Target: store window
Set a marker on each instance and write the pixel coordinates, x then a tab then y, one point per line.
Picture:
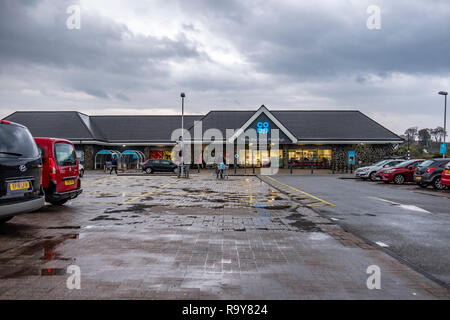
307	156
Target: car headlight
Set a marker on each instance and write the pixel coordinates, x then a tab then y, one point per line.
389	171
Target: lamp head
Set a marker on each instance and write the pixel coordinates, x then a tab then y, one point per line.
443	93
183	95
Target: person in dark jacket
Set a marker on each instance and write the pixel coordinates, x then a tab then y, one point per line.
113	165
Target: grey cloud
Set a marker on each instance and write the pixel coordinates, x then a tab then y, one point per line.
311	42
297	54
122	97
36	34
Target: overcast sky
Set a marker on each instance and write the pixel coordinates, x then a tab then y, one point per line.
135	57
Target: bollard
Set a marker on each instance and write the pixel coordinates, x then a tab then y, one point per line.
291	168
235	169
312	169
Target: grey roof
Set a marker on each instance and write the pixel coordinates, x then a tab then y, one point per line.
309	125
333	126
306	125
140	128
223	120
55	124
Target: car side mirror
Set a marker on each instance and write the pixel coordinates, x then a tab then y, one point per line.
385	166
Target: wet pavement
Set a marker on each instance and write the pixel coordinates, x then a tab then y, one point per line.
159	237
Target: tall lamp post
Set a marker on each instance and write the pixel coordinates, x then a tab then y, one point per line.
182	132
445	94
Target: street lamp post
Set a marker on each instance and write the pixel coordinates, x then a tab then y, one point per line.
445	94
182	132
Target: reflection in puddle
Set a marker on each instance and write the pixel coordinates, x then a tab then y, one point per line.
53	272
50	246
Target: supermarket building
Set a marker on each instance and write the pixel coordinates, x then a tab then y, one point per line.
306	137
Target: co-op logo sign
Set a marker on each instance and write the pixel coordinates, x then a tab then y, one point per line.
263	127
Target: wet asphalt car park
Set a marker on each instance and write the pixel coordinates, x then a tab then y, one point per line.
160	237
410	222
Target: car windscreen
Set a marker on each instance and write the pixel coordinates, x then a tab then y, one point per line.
65	154
379	163
16	141
426	163
404	163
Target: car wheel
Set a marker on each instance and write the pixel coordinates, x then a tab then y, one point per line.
59	202
81	173
437	184
149	170
4	220
399	179
373	176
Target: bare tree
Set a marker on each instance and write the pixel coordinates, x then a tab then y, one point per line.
411	134
438	134
424	137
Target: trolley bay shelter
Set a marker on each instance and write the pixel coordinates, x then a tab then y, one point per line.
319	138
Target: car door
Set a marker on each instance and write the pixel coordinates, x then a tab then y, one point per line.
165	165
67	166
411	169
156	165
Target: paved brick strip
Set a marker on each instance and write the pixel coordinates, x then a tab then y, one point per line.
149	193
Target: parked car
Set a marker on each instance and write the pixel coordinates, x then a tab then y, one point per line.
20	172
429	172
400	173
60	175
445	178
370	172
81	169
161	165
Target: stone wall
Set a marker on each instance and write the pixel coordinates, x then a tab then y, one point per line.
365	154
88	157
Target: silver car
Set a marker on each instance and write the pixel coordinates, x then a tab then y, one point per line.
369	172
81	169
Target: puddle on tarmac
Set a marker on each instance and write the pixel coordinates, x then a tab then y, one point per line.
53	272
138	207
104	217
302	224
48	246
275	207
64	227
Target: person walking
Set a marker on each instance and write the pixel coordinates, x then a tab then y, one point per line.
220	169
113	165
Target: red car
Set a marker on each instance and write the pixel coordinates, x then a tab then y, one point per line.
445	178
60	175
400	173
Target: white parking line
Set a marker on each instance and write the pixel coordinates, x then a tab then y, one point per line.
382	244
403	206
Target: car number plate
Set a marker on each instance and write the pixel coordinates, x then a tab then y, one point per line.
418	178
69	182
21	185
